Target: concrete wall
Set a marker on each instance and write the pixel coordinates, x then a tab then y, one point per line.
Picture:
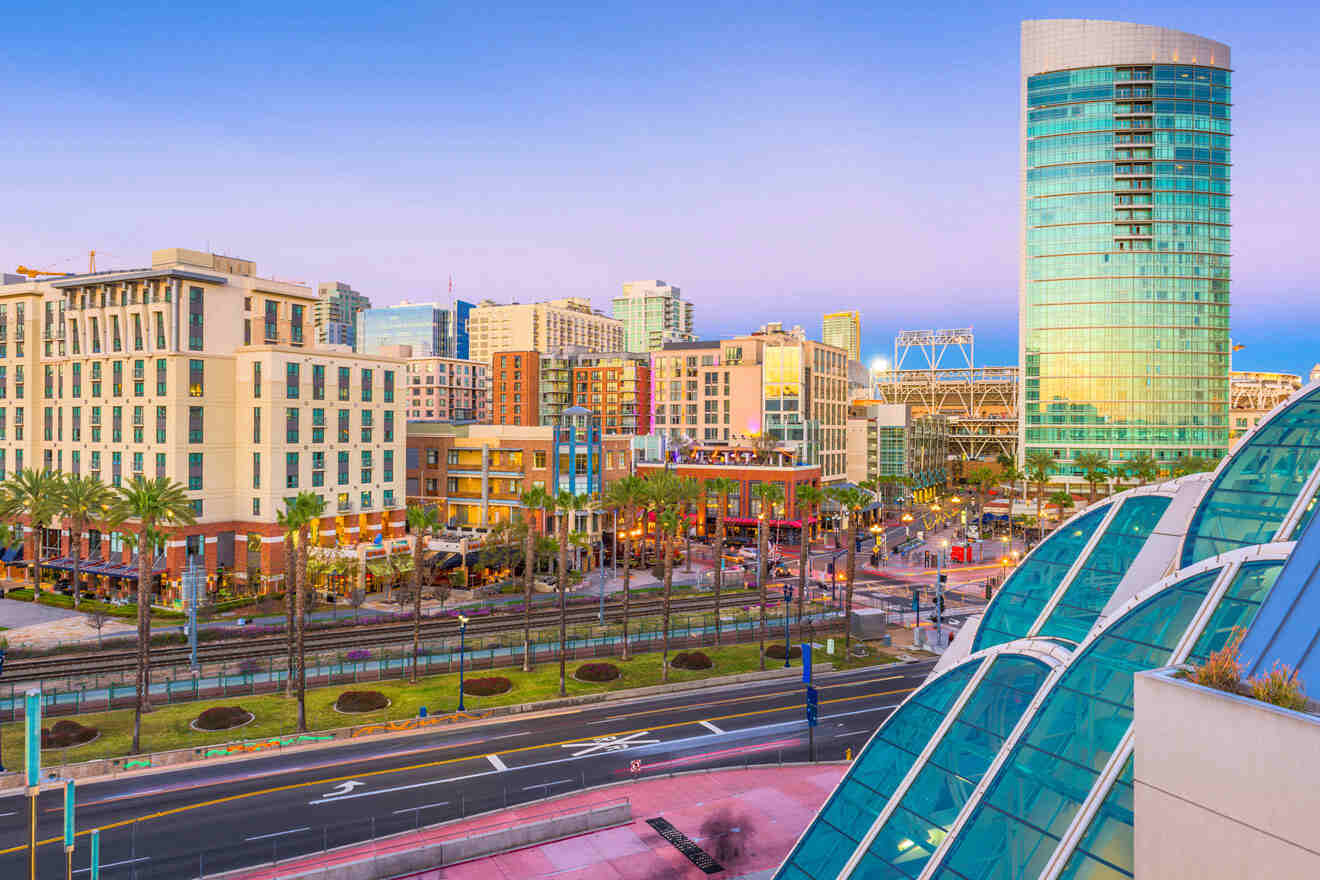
1225	786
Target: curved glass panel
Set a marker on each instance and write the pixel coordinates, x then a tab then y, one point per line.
1099	576
1033	799
1254	492
871	780
932	803
1307	516
1104	851
1238	608
1020	600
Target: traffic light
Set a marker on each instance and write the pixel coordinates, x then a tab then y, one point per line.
944	578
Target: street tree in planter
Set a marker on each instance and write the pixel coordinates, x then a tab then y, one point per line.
852	500
423	520
768	495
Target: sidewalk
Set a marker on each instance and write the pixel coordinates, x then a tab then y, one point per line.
746	819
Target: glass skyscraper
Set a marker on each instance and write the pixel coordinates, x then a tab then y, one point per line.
1124	284
431	330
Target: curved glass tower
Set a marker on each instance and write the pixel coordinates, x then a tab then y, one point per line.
1124	284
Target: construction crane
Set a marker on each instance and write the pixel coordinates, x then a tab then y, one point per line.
36	273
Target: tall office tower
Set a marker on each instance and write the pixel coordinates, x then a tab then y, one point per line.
335	314
843	330
653	313
430	329
541	327
1124	285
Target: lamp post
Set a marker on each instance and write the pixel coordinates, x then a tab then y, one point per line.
462	631
939	590
788	599
906	519
878	535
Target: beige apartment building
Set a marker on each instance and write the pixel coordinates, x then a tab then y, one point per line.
843	330
540	327
773	381
198	370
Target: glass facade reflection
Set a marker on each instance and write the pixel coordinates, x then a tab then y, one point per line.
1125	284
431	330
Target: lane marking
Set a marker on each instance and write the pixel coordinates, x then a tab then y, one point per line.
711	727
496	762
343	788
295	786
849	733
610	743
115	864
2	815
278	833
409	787
422	807
547	784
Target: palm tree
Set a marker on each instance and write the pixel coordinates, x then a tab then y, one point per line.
1191	464
852	500
1143	468
1095	470
628	494
422	522
768	494
689	493
723	487
533	500
982	478
1062	500
567	505
34	494
670	522
286	519
82	499
809	500
152	503
1040	464
308	508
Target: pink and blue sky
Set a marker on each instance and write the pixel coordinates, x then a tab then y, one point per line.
775	160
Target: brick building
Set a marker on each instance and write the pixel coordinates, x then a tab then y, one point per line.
515	388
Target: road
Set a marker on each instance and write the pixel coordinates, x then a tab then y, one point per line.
235	814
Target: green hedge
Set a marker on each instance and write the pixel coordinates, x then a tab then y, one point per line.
59	600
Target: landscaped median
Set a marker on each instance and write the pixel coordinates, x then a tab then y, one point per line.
274	716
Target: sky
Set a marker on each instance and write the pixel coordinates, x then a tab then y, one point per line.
774	160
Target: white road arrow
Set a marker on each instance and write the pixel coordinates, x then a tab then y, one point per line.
343	788
609	744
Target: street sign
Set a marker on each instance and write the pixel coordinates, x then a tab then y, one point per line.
806	662
68	814
32	742
812	706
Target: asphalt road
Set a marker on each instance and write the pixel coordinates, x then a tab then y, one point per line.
235	814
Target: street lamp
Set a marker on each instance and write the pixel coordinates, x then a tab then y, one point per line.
462	630
788	598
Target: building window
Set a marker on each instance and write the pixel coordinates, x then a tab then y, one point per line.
389	426
318	381
387	499
116	424
256	470
366	386
196	378
272	321
162	373
137	464
318	426
291	425
256	379
343	425
194	424
195	325
196	505
318	469
366	501
117	379
345	377
194	471
538	459
389	386
292	380
160	331
160	465
256	424
296	324
291	470
256	502
387	465
343	468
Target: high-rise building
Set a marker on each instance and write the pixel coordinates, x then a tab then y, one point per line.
443	389
843	330
335	314
772	382
430	329
616	386
197	370
653	313
516	388
541	327
1124	283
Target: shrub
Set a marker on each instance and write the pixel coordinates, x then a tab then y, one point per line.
222	718
1281	687
776	651
1221	669
361	701
597	672
691	660
63	734
487	687
358	654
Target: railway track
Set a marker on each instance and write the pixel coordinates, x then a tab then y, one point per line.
345	637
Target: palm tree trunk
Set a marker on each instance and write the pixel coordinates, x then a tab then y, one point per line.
563	604
762	574
290	605
627	579
687	546
804	562
719	562
417	605
669	586
142	682
848	592
529	566
75	542
300	625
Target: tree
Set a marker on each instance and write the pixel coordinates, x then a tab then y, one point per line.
286	519
723	487
581	543
1040	464
423	520
567	504
1095	470
1143	468
153	504
768	494
308	507
1191	464
357	597
764	443
981	478
852	500
689	493
535	500
809	499
81	499
36	495
669	522
1063	501
628	495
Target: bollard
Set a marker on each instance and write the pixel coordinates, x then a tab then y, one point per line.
847	755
